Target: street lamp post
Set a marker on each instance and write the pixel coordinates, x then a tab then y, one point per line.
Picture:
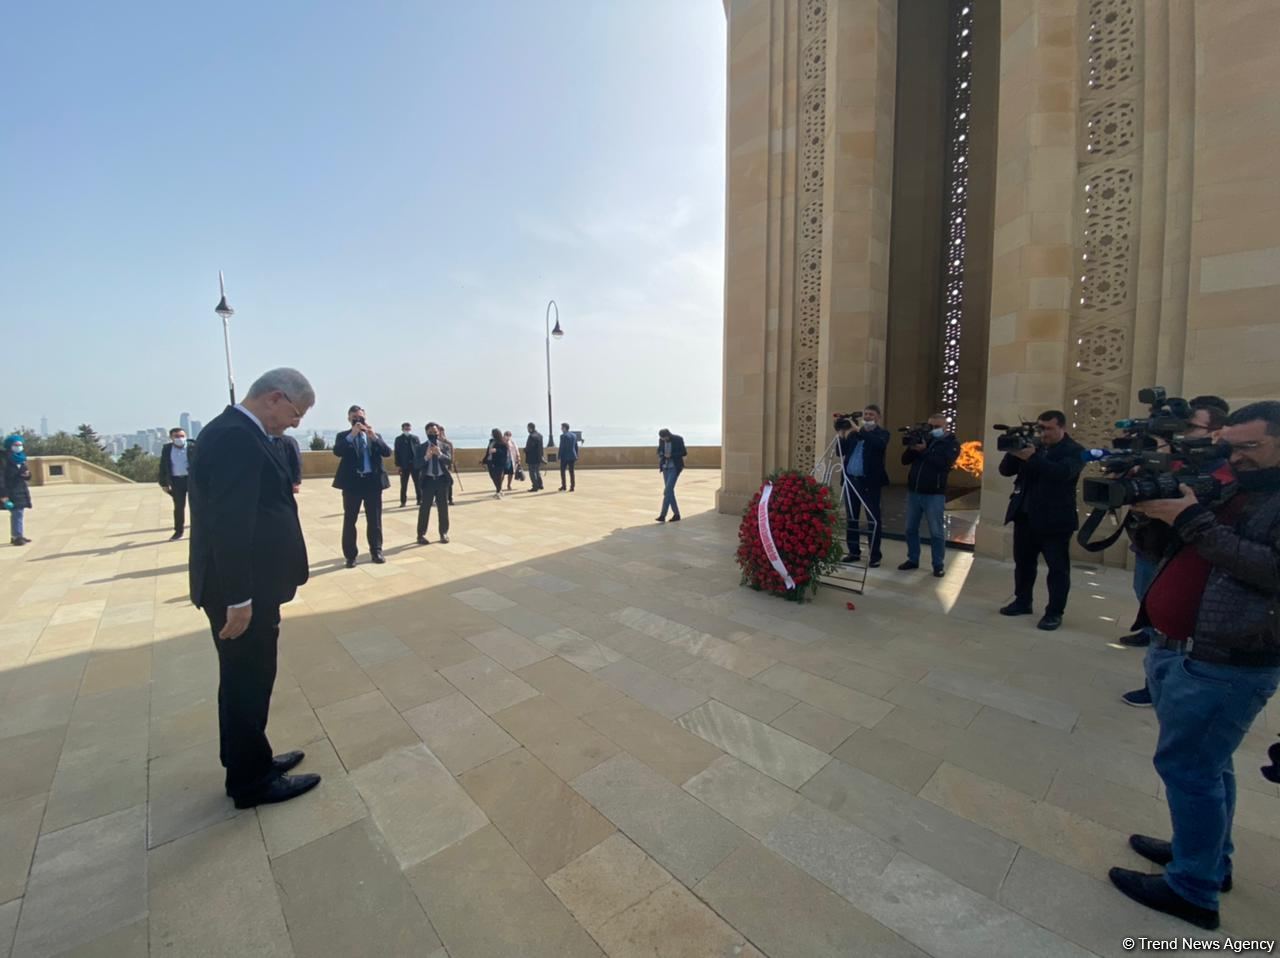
557	333
224	310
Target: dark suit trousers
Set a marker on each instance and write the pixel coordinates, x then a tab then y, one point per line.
1028	546
535	476
246	674
407	475
567	466
434	491
853	509
368	493
178	489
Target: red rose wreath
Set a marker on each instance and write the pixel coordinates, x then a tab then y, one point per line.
799	534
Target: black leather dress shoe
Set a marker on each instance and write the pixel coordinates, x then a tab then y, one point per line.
675	518
287	762
1013	608
908	566
1049	622
423	541
278	790
379	558
1161	852
1154	892
351	563
660	519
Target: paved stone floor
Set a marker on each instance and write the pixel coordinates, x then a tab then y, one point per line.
570	732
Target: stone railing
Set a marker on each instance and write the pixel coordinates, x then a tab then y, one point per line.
55	470
323	463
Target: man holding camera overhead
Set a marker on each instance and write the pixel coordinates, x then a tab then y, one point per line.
1214	663
1044	514
361	477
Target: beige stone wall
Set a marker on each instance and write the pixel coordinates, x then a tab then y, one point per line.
55	470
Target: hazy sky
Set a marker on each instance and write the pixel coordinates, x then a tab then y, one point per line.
394	190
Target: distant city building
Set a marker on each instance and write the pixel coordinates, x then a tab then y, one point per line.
185	422
44	425
196	426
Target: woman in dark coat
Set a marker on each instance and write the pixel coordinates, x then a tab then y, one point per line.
496	458
15	494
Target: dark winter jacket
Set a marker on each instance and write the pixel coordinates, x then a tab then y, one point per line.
14	477
929	469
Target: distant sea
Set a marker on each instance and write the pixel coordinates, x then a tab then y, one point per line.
478	436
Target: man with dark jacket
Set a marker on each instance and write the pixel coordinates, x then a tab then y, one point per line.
1044	515
435	456
534	457
1215	663
568	454
175	467
361	477
406	455
671	454
293	459
247	559
862	450
930	462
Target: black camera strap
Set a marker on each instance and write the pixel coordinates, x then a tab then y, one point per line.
1091	526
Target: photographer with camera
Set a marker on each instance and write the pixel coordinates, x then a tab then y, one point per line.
1208	415
1215	664
862	450
1043	511
361	477
931	455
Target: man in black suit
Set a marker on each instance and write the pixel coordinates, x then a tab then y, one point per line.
293	458
406	457
862	451
435	456
175	468
671	453
1044	515
361	477
534	456
247	559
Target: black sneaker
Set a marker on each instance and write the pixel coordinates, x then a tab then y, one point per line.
1136	640
908	566
1154	892
939	572
1049	622
1014	608
1161	852
1138	698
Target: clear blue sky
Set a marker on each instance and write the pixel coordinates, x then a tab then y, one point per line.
394	190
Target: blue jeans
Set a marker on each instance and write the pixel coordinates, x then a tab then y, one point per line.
15	523
1204	711
929	505
1144	573
669	477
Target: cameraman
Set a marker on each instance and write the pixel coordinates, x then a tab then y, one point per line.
1044	516
862	452
930	462
1215	664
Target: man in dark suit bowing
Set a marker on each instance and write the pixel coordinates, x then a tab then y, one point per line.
361	477
248	558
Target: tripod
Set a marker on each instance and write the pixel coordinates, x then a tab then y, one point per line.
851	576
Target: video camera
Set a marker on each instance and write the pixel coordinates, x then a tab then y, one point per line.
1138	470
1024	435
915	435
854	418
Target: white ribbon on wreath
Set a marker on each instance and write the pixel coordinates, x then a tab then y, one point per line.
766	536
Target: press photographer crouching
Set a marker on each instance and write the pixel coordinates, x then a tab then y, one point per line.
1214	665
1045	463
932	449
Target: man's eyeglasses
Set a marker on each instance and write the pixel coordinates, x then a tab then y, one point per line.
291	405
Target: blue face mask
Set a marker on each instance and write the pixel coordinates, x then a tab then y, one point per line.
16	453
937	433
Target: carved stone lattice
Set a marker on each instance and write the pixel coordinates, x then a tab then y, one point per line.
1102	350
806	432
807	374
810	296
814	110
815	59
1110	129
1111	45
1094	413
811	221
815	18
1107	259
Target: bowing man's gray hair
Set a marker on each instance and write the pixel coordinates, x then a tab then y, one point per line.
288	381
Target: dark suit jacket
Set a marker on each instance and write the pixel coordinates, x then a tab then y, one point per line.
874	443
445	459
293	456
1047	484
678	451
533	447
246	542
406	450
166	461
348	475
568	447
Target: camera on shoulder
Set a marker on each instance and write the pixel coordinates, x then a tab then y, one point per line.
1015	438
915	435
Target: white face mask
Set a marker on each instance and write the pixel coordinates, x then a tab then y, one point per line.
180	443
406	431
937	433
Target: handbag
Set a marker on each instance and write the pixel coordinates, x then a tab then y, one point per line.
519	474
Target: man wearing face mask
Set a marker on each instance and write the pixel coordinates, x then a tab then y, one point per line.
174	469
435	456
1214	664
15	493
406	457
361	477
862	449
930	463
